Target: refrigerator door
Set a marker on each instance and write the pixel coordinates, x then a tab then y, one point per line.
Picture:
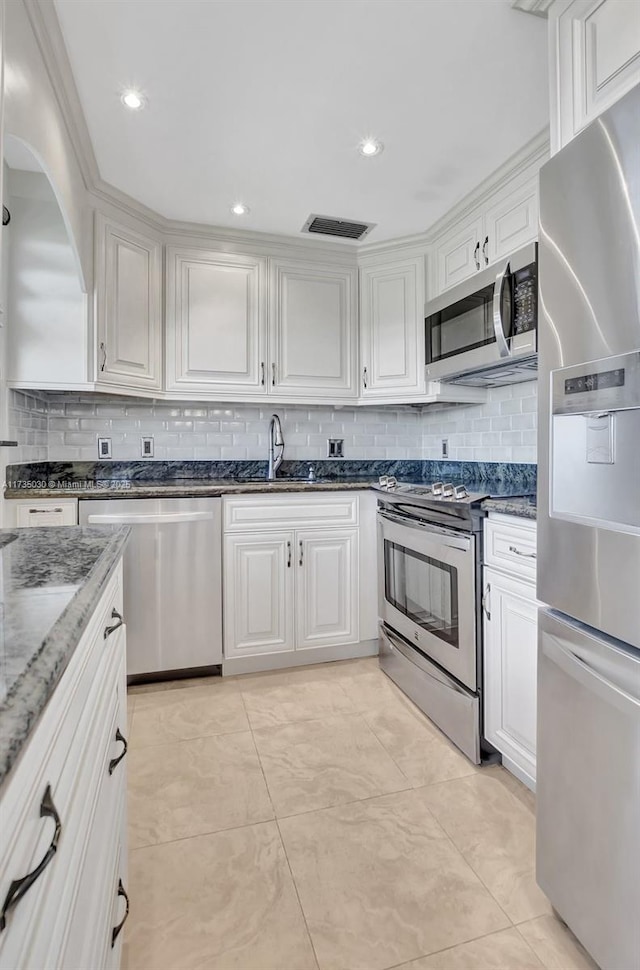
172	580
588	788
589	300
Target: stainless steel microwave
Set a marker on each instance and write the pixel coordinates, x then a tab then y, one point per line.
484	331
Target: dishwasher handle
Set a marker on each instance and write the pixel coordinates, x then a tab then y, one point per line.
158	518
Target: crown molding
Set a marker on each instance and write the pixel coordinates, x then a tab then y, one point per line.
539	8
534	153
46	28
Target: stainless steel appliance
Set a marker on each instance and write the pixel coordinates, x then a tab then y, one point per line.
588	752
429	540
483	331
172	580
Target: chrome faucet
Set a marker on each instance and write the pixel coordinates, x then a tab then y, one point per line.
276	440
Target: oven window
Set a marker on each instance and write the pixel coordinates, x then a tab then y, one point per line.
424	589
465	325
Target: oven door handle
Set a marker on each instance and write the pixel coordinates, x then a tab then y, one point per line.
462	543
498	322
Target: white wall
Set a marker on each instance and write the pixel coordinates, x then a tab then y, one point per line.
503	429
32	114
45	302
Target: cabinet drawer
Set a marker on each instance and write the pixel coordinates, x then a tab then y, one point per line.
59	755
43	512
302	511
510	545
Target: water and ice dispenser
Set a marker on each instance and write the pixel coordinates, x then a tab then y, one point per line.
595	443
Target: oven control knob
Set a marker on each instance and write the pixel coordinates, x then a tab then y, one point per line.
436	488
447	490
460	492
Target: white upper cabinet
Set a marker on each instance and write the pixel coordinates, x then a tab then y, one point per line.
129	306
313	329
506	221
392	328
457	254
595	59
510	222
216	322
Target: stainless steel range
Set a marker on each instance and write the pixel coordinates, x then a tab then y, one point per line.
429	548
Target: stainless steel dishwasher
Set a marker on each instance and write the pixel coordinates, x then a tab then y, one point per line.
172	580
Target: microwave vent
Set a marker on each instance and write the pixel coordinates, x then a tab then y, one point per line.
340	228
499	375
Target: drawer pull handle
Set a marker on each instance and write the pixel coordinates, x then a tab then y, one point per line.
113	764
115	933
43	511
108	630
288	554
19	887
525	555
301	560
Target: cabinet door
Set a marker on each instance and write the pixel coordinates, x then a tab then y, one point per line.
327	609
392	328
510	666
215	322
458	254
597	59
313	329
258	594
511	221
128	303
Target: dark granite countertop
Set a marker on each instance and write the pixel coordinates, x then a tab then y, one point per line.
186	488
523	507
51	580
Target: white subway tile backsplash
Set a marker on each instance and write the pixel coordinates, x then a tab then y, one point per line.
66	427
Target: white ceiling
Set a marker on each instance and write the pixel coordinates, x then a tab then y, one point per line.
265	101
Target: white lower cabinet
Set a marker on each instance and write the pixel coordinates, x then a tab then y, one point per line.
258	593
287	593
41	512
510	665
327	588
63	814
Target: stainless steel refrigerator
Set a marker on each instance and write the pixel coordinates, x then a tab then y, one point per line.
588	753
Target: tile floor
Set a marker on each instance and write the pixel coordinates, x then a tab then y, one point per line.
314	819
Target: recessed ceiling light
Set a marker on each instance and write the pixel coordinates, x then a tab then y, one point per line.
240	209
133	100
370	147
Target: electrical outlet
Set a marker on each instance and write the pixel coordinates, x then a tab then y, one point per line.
146	447
104	447
445	448
335	447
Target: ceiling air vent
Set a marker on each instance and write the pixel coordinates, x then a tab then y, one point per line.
340	228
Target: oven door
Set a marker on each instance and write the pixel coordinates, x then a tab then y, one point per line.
427	591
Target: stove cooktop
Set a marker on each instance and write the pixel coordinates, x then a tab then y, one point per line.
428	494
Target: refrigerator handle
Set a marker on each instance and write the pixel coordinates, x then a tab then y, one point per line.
501	326
588	677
